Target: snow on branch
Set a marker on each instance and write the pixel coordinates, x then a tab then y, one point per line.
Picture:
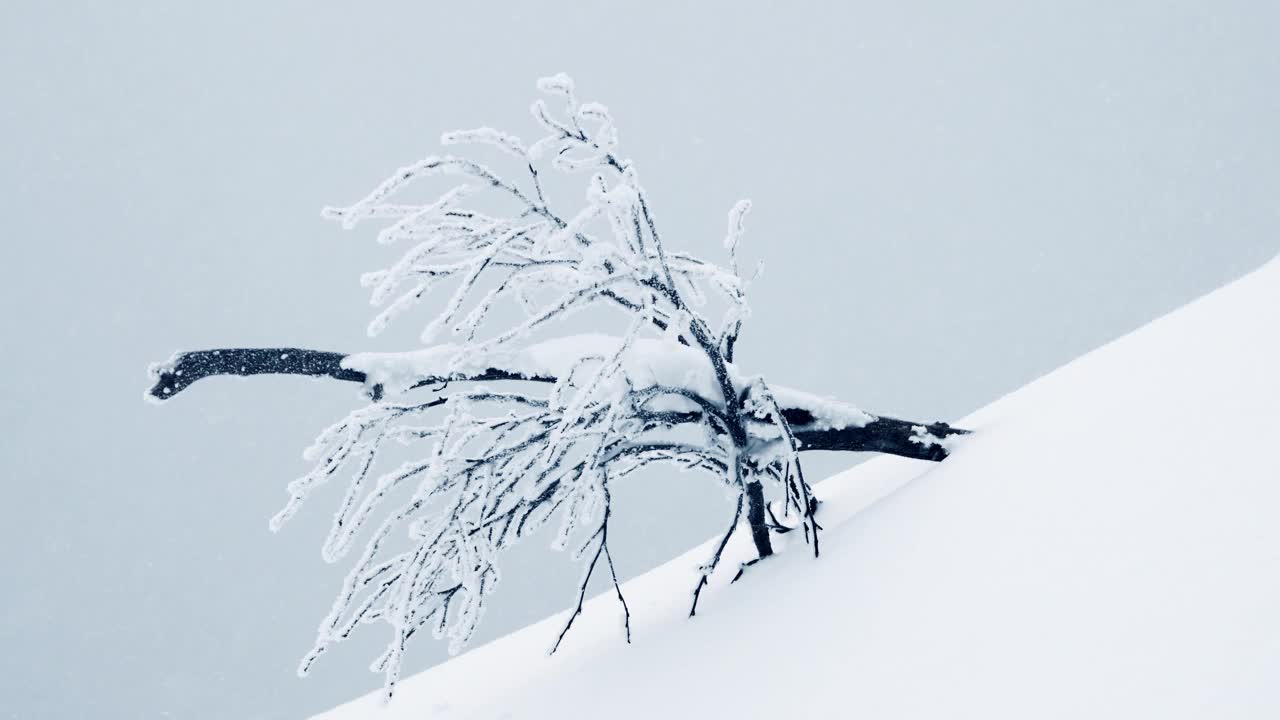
494	467
571	414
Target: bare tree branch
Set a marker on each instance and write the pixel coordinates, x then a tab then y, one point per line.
494	466
882	435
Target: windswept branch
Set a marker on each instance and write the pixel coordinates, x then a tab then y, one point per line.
922	441
494	465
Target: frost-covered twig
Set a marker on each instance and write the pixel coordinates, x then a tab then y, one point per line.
605	407
601	540
483	467
709	568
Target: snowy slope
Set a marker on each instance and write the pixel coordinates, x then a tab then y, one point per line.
1106	545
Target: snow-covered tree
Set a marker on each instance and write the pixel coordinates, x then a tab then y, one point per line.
516	424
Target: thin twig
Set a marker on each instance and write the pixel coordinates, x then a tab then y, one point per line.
710	567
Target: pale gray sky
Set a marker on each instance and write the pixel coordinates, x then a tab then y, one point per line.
950	201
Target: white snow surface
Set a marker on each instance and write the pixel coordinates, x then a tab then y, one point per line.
1107	545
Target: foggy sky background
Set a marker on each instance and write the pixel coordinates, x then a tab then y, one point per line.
950	201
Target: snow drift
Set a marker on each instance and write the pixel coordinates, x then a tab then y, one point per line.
1106	545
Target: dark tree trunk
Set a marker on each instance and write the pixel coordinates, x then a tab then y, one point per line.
756	519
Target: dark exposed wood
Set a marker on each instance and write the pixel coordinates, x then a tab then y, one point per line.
185	368
756	520
884	435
